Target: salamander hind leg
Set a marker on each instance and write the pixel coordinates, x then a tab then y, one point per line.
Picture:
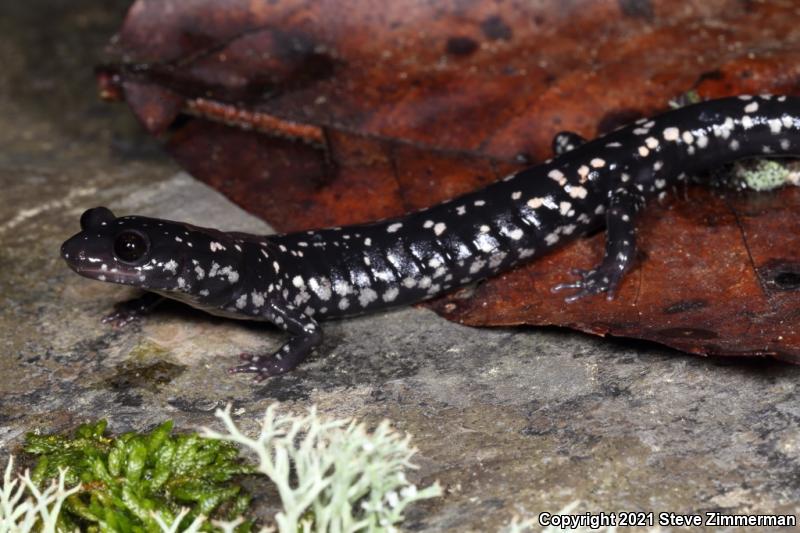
305	335
619	252
566	141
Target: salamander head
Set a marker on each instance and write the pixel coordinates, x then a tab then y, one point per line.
186	262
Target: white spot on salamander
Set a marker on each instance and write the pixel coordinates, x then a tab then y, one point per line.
321	287
535	203
172	266
257	298
671	134
342	288
216	246
298	281
752	107
526	252
515	234
597	162
366	296
392	228
557	175
576	191
476	266
233	276
390	295
439	228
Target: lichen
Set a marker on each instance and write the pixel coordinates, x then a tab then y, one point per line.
25	508
764	174
332	475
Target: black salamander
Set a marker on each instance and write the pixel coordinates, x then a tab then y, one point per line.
296	279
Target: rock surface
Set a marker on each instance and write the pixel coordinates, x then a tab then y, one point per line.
510	421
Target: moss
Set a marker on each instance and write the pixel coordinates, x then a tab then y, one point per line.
126	479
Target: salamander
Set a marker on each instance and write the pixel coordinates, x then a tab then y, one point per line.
294	280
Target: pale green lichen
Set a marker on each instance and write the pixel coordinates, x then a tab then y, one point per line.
224	526
331	475
174	526
765	174
25	508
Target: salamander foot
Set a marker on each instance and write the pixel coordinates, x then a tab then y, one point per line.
131	310
603	279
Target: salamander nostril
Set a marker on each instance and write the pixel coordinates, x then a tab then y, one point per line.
68	249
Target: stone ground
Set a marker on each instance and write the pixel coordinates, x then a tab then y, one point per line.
510	421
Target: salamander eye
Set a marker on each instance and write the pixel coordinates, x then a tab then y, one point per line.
130	246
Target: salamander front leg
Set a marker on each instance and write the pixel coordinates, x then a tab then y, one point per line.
305	335
566	141
619	253
126	312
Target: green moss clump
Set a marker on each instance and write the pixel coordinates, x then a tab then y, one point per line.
125	479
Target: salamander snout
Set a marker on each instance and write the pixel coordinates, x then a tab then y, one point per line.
93	252
93	224
67	249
